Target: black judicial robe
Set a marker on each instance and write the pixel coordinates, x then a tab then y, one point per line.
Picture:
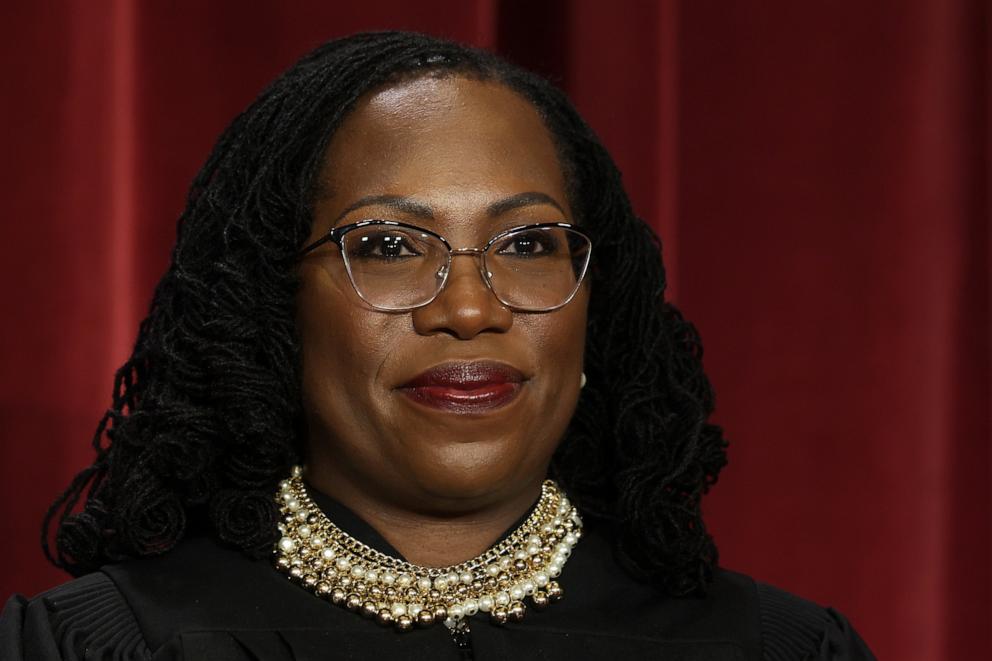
205	602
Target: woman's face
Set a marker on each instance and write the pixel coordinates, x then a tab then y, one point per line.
445	152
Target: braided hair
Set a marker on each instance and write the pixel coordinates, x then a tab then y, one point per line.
206	415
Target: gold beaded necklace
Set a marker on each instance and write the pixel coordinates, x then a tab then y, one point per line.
335	566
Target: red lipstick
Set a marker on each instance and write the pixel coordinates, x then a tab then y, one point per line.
465	387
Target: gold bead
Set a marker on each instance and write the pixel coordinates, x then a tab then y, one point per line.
499	615
425	618
385	618
519	565
353	602
369	609
404	623
440	612
323	589
516	611
554	591
540	600
338	596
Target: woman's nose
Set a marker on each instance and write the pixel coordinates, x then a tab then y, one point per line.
466	306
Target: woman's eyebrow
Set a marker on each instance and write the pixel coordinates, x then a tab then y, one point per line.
424	211
398	202
521	200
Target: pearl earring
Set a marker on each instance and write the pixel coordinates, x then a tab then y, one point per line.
582	381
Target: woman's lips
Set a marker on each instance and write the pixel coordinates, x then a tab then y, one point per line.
465	387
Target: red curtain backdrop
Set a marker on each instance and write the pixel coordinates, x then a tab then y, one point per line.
819	172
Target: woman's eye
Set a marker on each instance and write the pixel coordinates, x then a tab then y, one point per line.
384	246
529	244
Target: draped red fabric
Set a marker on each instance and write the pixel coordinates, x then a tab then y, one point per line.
820	175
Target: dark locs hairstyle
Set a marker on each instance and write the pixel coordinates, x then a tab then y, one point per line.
207	416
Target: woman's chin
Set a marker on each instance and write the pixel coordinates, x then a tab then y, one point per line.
465	480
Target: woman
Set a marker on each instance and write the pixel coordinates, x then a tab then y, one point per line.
407	290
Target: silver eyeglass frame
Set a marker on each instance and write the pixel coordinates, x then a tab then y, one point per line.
336	236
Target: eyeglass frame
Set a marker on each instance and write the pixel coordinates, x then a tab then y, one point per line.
336	236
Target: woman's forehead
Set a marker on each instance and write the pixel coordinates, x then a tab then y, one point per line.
456	145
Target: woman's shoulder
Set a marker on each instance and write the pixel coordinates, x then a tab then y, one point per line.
127	610
85	618
791	627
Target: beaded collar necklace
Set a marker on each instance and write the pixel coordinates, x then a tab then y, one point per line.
335	566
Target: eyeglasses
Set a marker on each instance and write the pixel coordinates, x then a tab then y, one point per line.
396	267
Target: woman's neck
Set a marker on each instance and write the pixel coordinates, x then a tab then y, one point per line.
431	537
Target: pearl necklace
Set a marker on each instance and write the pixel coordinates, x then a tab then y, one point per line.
335	566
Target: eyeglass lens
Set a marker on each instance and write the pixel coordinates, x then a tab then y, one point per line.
397	268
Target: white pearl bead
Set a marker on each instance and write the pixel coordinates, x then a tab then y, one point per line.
534	540
441	583
517	593
372	576
493	570
316	541
466	577
505	562
456	612
424	584
570	539
486	604
358	571
328	554
414	609
554	570
502	599
342	564
293	504
304	531
388	578
540	579
398	609
404	580
520	555
528	587
533	549
287	544
471	607
302	515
